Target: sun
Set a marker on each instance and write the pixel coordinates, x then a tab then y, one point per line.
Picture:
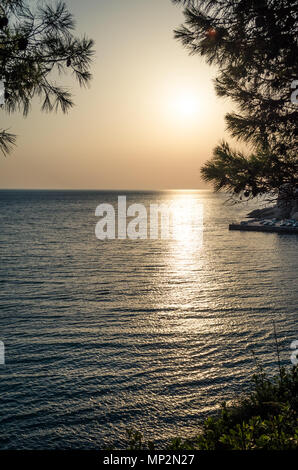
185	105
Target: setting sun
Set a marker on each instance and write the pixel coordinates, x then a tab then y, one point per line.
186	105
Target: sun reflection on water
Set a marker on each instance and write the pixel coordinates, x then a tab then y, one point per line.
183	255
187	229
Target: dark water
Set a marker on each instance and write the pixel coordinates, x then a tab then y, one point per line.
105	335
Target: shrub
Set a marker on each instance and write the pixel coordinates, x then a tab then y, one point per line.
265	419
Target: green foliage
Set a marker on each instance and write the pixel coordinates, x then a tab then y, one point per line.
260	173
275	433
136	441
253	44
36	45
266	419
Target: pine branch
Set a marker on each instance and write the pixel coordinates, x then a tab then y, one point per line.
7	142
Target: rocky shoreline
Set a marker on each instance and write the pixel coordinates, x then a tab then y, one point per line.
285	208
274	212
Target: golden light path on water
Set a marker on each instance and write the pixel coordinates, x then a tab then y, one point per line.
183	259
187	212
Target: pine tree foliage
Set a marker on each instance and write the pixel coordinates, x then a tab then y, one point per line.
259	173
253	44
37	44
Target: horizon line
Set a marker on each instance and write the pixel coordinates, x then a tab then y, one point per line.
99	189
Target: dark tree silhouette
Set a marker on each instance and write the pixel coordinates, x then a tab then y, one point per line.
36	45
253	43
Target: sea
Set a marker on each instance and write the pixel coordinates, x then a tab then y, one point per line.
105	335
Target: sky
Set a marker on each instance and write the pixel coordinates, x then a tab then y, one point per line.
149	120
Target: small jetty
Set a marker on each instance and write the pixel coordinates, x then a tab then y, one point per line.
272	226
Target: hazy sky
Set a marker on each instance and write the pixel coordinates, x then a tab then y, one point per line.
149	120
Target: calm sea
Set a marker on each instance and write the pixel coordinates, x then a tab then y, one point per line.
101	336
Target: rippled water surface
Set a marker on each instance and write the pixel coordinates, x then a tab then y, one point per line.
154	334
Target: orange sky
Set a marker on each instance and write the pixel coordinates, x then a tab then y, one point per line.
135	128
